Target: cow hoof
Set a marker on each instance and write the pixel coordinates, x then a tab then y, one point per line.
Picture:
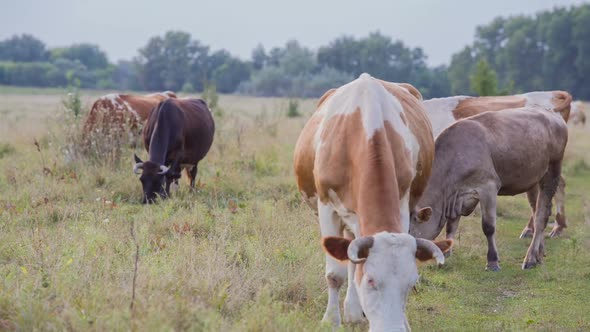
527	232
556	231
333	320
529	265
448	253
493	267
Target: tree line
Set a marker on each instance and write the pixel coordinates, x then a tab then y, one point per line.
550	50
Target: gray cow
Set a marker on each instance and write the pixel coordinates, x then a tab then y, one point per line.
490	154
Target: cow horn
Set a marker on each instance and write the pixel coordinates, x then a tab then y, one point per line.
429	246
358	250
163	170
137	167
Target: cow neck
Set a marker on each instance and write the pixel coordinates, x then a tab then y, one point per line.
441	196
160	139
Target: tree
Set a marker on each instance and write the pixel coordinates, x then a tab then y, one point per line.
167	63
89	55
484	82
23	48
259	57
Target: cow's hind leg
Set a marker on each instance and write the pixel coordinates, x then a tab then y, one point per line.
192	176
560	220
488	196
330	225
531	195
547	188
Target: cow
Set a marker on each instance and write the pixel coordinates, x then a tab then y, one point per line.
578	116
442	112
118	110
476	159
363	159
177	135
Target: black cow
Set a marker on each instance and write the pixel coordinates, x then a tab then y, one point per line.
178	134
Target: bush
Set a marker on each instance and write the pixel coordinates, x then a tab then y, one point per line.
188	88
293	109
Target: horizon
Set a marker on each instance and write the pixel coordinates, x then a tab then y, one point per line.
268	27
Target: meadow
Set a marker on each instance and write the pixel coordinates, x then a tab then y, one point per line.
79	252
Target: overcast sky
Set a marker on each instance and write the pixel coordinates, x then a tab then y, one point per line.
121	27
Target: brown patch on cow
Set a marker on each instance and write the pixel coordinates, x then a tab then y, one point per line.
415	92
562	102
325	97
336	247
425	255
473	106
421	128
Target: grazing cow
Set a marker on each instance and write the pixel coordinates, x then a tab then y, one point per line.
363	159
477	159
117	110
178	134
443	112
578	116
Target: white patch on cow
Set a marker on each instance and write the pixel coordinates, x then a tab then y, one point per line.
114	98
404	211
539	98
390	272
311	201
440	112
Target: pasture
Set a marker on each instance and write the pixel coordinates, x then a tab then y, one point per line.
79	252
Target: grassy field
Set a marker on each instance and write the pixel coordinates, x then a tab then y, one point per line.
242	253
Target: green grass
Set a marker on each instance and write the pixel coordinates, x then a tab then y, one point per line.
243	252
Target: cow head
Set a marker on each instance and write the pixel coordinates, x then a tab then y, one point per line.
386	272
426	223
153	179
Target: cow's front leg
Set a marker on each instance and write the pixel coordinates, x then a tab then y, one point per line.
353	312
487	203
330	225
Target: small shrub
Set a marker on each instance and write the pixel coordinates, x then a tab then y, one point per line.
293	109
6	149
210	96
188	88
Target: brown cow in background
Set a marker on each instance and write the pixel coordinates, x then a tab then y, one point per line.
121	111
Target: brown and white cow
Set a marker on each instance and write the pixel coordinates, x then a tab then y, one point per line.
476	159
443	112
578	114
117	110
364	159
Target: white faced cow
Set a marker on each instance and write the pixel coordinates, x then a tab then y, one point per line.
363	160
443	112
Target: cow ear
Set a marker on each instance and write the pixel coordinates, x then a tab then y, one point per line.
428	252
424	214
336	247
137	160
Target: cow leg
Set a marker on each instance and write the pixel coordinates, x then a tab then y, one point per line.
330	225
353	312
560	220
451	229
487	202
531	195
547	188
192	175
